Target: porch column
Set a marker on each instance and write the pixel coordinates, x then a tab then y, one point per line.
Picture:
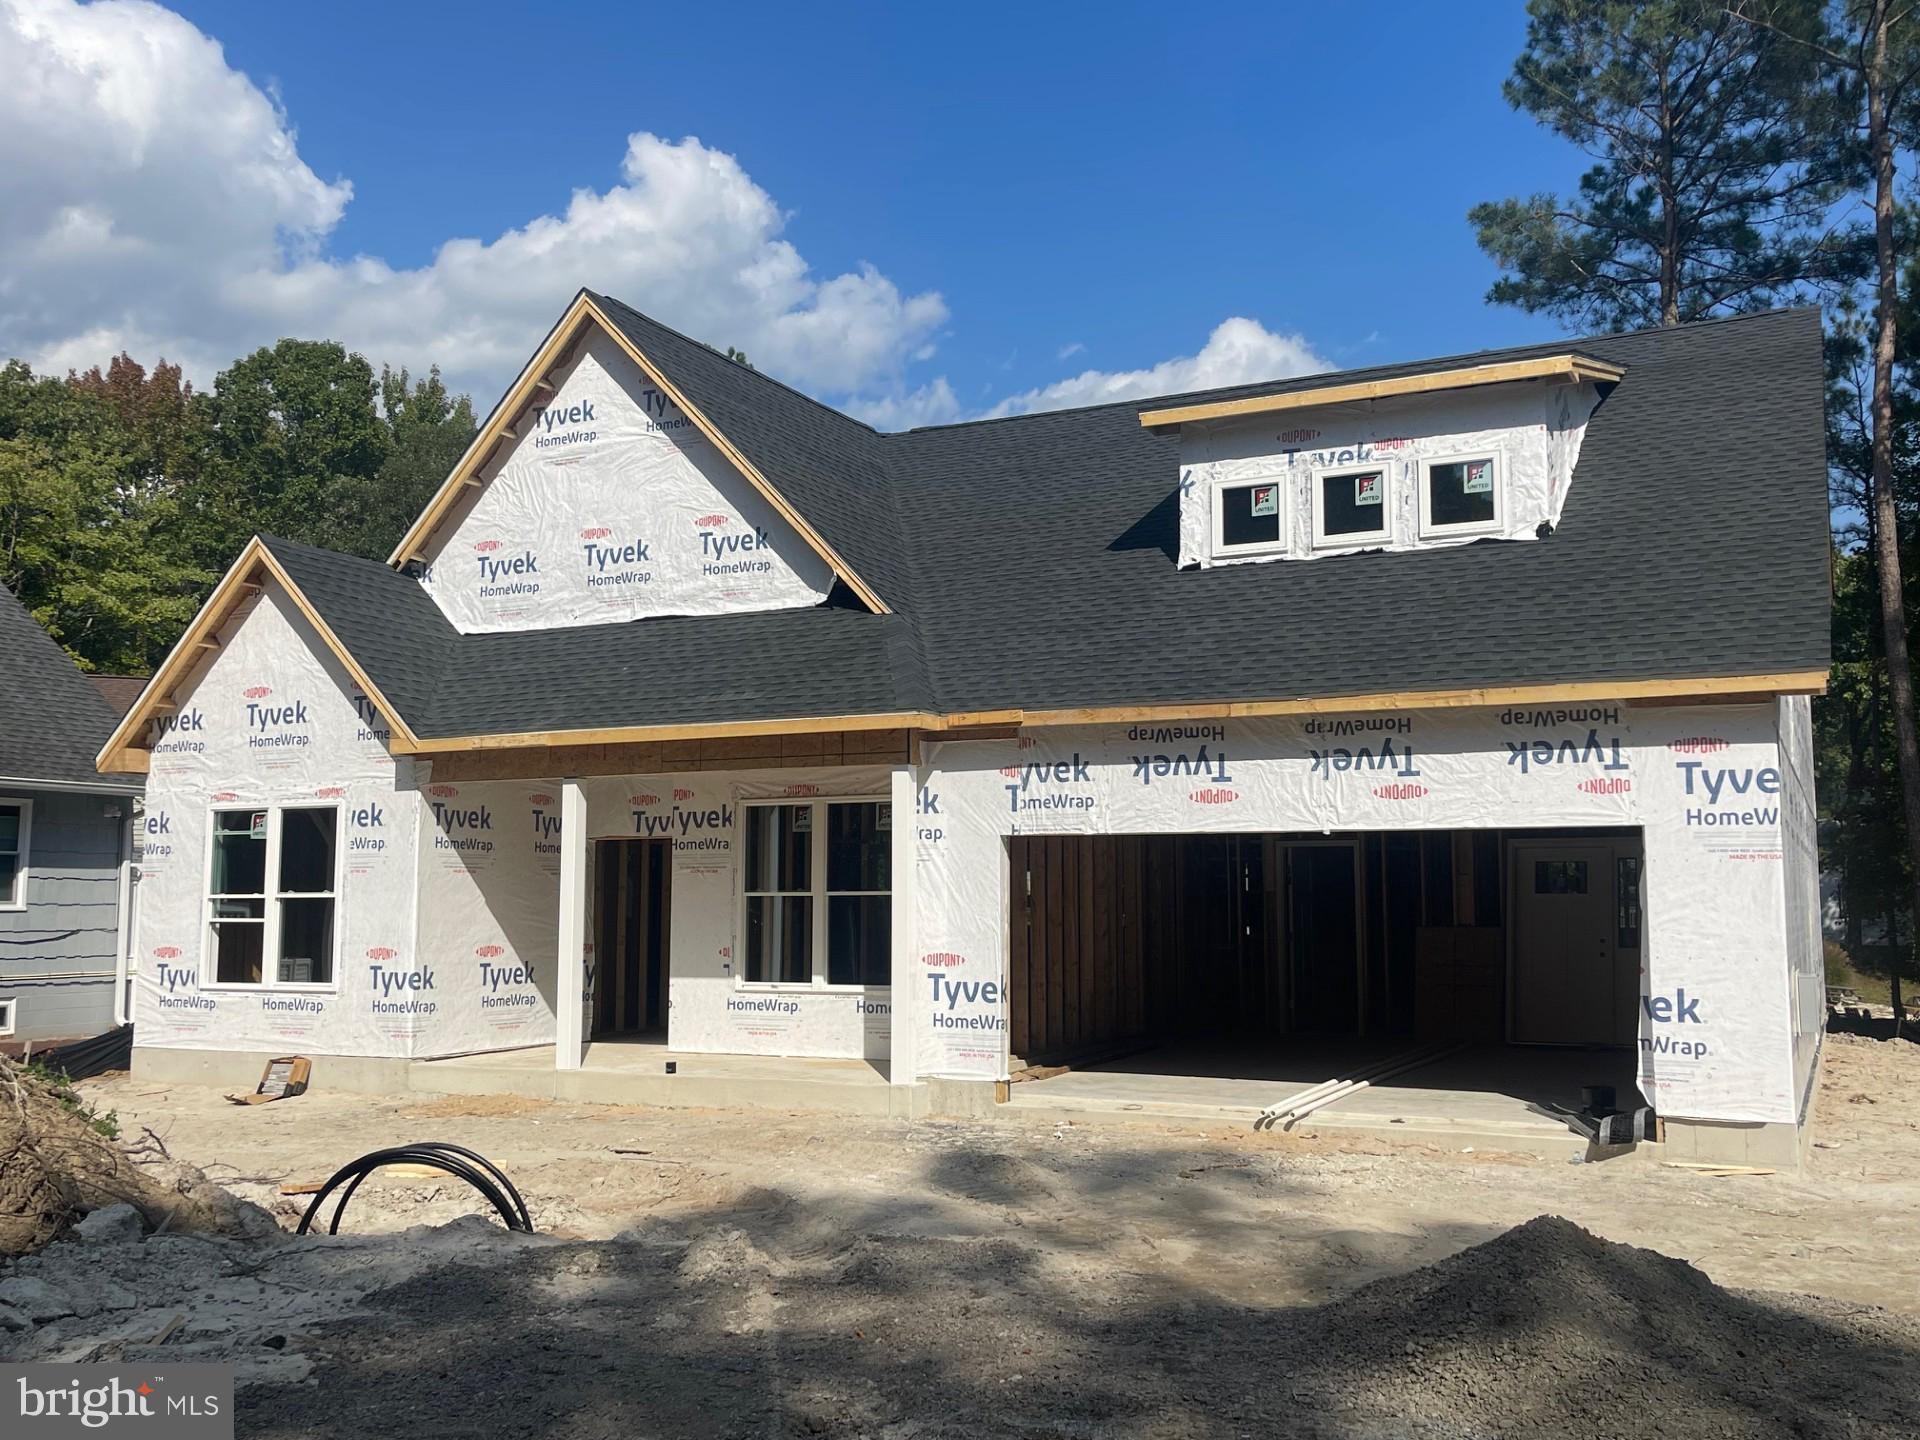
569	1037
904	981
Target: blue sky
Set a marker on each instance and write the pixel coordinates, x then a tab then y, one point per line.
1119	179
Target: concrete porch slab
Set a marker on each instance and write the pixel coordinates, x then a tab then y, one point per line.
634	1073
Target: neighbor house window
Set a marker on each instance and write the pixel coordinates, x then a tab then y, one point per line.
16	820
818	882
271	877
1350	506
1249	517
1460	495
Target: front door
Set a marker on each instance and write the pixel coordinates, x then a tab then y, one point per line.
631	892
1568	988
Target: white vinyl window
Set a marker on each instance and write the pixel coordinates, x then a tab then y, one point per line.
817	893
16	827
272	887
1462	494
1350	506
1249	517
8	1012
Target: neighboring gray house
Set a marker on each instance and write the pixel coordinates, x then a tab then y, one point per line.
66	835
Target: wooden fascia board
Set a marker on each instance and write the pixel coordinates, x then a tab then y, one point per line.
983	724
1549	367
1800	682
868	595
121	749
558	339
581	313
714	730
186	652
403	740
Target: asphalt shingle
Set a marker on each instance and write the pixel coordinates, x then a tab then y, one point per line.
53	719
1031	563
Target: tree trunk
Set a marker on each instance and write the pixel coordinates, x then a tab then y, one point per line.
1886	540
1669	213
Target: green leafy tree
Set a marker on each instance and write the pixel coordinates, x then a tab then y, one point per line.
428	430
1718	157
90	534
297	445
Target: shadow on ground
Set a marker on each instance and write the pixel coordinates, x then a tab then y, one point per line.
848	1315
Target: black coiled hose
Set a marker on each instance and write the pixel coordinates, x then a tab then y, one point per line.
463	1164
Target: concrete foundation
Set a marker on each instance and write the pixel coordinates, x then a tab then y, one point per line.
1486	1098
240	1070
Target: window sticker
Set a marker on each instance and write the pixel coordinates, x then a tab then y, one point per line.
1369	489
257	829
1479	479
1266	500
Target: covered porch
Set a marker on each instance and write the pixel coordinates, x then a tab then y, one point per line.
701	914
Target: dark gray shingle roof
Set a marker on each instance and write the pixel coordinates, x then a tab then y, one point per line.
53	720
1031	563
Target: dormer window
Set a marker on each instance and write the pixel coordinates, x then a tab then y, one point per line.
1350	506
1249	517
1460	495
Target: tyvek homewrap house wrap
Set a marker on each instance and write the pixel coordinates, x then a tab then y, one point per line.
693	704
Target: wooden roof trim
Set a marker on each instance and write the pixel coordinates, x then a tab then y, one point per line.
712	730
124	751
1797	682
499	428
970	724
1563	368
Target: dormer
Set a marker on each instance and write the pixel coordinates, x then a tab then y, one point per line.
1404	462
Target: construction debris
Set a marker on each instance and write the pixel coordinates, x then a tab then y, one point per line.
283	1078
58	1161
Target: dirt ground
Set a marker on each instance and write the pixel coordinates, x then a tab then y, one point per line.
757	1272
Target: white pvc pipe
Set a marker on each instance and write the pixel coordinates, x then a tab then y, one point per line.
1414	1062
1286	1106
123	923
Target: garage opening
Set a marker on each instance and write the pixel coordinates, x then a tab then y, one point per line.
1235	970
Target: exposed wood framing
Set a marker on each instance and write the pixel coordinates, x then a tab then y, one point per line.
1561	368
1697	689
766	752
124	750
552	354
916	726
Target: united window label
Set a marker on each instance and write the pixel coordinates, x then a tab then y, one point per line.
1266	500
1479	477
1369	489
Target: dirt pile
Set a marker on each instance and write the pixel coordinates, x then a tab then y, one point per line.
1550	1330
55	1166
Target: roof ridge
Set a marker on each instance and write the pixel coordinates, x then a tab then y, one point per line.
1432	361
814	401
1571	344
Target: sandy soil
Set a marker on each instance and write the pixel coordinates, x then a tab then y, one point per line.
762	1272
1272	1218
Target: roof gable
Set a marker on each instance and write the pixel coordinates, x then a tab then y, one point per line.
504	426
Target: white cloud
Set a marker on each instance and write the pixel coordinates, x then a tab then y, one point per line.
154	198
1238	351
930	404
